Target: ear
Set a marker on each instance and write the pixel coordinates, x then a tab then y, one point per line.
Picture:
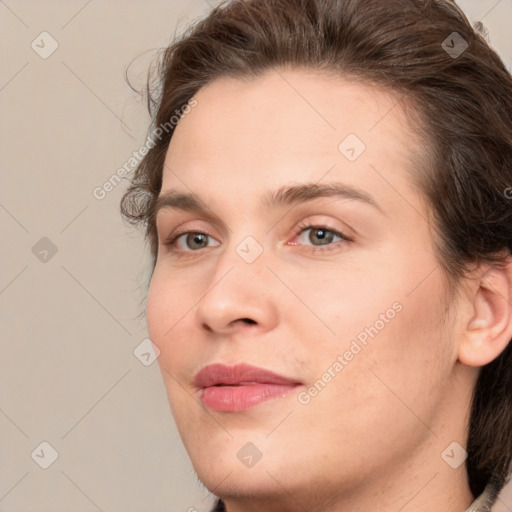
488	328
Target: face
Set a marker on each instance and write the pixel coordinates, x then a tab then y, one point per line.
306	253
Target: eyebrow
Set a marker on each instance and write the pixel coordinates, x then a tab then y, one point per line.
284	196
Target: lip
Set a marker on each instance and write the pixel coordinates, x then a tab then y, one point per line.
241	387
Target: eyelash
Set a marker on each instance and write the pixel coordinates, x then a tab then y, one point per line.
303	226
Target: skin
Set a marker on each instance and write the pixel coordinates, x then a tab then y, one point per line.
374	435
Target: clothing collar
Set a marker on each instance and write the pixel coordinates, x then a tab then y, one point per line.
485	501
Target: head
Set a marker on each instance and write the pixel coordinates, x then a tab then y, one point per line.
348	184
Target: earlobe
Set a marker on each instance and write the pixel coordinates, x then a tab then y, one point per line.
489	330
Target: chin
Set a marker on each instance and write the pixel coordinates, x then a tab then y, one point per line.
239	468
235	483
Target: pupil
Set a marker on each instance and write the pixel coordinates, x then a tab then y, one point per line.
197	238
322	235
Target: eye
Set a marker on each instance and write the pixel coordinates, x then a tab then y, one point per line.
323	235
319	237
190	241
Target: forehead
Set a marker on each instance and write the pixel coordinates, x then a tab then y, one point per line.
291	126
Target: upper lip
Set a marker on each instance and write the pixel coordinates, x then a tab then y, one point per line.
216	374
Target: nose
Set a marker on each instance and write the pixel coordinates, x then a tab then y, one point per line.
239	296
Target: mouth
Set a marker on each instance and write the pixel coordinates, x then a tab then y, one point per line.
240	387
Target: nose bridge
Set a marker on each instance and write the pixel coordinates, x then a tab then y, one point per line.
237	289
244	242
242	263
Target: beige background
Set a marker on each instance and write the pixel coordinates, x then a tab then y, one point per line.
69	323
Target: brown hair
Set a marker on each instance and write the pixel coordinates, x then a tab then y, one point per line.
463	98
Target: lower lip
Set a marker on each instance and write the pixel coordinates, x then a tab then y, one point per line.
243	397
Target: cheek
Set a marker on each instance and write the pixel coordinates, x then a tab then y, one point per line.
166	312
170	311
341	304
392	364
157	305
385	318
166	309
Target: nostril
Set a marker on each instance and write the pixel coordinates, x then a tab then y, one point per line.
207	327
249	321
